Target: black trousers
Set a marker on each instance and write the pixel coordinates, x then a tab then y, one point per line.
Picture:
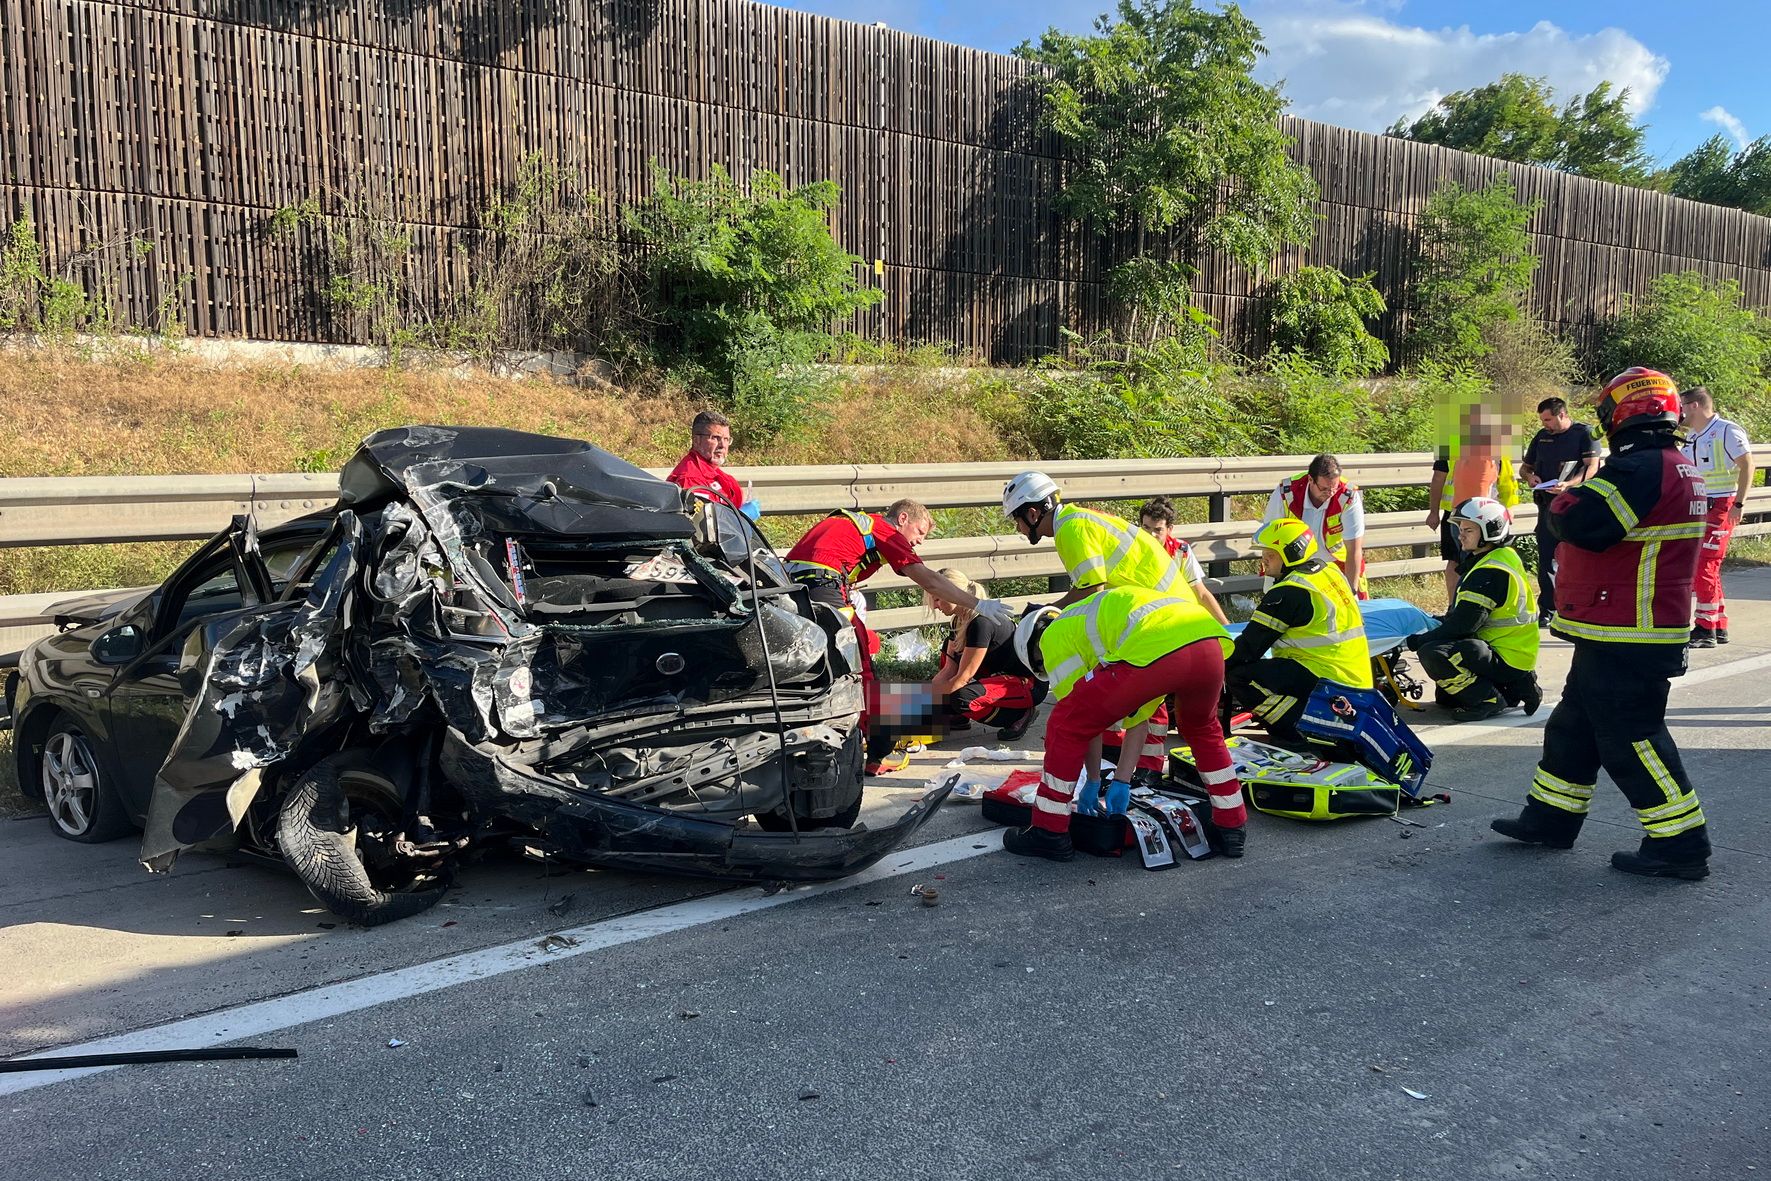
1469	672
1275	690
1546	559
1612	716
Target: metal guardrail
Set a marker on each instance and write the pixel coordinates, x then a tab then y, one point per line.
41	511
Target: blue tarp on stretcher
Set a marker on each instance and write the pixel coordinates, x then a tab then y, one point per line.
1387	623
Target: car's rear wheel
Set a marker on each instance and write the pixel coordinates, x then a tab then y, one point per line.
82	805
337	829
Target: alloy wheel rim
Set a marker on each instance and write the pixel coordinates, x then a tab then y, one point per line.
70	784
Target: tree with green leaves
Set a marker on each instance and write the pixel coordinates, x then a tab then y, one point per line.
1169	138
1473	270
1716	174
1516	119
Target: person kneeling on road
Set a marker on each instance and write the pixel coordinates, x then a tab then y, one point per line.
1483	654
1118	654
1309	620
980	676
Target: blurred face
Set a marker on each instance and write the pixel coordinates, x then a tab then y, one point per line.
946	608
1469	535
1693	411
1272	565
913	531
713	444
1155	528
1553	422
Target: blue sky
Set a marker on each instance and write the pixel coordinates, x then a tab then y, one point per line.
1694	68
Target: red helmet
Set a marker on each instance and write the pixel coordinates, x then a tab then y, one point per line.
1638	397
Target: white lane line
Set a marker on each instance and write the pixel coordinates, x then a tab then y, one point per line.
333	1000
1455	733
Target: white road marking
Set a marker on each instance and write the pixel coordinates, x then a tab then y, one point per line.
1456	733
333	1000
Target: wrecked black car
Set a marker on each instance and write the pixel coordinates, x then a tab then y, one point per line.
492	637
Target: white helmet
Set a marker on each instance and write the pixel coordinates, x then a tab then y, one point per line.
1488	515
1028	488
1033	623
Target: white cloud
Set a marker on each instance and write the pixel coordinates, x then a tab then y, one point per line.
1344	63
1728	123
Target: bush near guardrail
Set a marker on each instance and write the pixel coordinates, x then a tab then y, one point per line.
103	509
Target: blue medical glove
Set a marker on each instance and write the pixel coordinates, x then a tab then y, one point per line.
1118	797
1088	800
751	509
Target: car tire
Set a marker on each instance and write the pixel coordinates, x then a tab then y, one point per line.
319	840
82	805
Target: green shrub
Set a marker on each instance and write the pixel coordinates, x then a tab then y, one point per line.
1321	314
743	286
1701	333
1117	401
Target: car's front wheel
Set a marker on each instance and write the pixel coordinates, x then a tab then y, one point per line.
338	829
82	805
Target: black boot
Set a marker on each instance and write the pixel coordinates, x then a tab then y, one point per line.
1721	635
1229	841
1539	824
1478	711
1037	842
1530	694
1702	637
1017	728
1685	856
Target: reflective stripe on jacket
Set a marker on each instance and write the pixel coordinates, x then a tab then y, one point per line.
1511	629
1637	591
1098	550
1125	623
1332	645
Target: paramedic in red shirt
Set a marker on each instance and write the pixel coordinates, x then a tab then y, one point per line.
703	468
1157	518
847	548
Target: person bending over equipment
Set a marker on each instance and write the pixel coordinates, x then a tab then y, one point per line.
1117	655
1483	654
1309	621
980	675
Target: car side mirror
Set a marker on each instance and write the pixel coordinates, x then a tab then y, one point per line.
120	645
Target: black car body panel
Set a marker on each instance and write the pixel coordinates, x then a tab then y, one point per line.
589	662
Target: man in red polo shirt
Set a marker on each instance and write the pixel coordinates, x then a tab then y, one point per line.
847	548
703	468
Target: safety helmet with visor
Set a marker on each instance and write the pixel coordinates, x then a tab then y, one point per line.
1493	522
1033	623
1025	491
1288	537
1638	397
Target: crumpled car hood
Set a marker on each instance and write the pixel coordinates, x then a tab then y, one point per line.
513	482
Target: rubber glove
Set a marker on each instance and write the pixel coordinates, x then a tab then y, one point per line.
996	611
751	509
1088	800
1118	797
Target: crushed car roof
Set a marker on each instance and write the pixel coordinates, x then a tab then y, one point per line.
515	482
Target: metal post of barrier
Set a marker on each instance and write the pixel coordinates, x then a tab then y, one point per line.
1217	508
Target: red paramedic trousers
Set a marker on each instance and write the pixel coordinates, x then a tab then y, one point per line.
1194	676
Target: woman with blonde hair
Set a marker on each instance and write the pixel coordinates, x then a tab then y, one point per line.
980	676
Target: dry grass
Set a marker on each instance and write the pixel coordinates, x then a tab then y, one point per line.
161	414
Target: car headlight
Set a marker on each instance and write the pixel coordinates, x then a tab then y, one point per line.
849	646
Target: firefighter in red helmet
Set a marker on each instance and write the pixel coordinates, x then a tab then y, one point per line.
1629	547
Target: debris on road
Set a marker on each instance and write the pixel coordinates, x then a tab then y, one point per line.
807	1094
1412	1094
556	943
563	905
929	894
394	1043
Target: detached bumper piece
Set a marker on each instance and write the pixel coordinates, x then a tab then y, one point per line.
615	834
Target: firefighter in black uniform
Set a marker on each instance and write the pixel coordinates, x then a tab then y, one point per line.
1630	539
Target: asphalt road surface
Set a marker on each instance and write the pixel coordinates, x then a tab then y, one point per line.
1368	999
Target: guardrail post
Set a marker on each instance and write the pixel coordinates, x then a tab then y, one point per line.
1217	509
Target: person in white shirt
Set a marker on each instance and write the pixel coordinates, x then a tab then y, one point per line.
1334	511
1724	458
